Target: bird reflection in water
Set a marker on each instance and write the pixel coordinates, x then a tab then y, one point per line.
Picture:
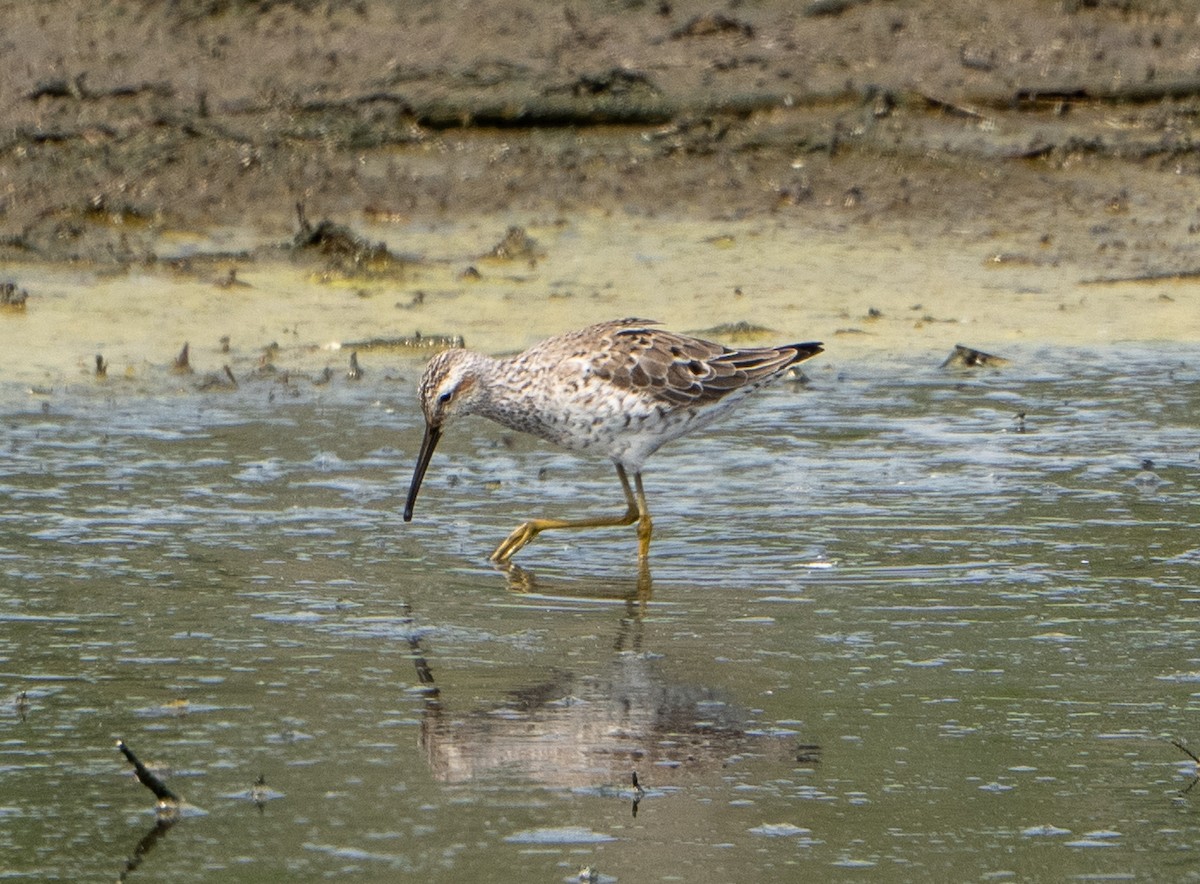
526	582
587	730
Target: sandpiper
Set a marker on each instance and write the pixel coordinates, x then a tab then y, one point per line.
622	388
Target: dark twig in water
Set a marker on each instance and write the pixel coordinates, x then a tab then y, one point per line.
146	844
1185	750
146	777
424	671
1192	755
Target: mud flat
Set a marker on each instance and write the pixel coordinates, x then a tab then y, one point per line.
878	175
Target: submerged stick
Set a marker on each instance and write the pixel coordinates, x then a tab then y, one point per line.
146	777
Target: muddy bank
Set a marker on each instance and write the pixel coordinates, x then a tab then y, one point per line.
130	119
885	175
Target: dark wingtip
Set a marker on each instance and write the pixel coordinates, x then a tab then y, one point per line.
806	350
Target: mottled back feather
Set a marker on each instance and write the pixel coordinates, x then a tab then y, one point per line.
675	369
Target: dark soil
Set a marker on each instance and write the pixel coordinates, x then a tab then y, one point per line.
1068	121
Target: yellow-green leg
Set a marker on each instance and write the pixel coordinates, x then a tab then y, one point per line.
635	511
645	526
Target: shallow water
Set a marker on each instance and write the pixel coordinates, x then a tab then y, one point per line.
893	633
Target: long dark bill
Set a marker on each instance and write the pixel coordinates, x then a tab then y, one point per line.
432	434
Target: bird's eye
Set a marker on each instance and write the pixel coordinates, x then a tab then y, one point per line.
445	397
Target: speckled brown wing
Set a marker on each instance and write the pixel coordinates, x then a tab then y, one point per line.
681	371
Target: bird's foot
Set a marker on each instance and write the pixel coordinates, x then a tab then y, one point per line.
516	541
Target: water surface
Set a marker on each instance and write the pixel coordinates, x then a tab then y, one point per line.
893	632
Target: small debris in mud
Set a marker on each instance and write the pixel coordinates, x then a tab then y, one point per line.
215	383
343	250
929	318
952	109
517	245
78	89
793	194
1163	276
230	280
117	214
968	357
415	342
267	370
691	136
617	81
182	364
710	23
12	297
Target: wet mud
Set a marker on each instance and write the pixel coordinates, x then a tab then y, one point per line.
1067	125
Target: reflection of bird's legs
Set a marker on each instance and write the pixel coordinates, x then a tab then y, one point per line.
635	511
645	585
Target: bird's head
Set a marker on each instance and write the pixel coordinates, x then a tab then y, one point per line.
449	387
